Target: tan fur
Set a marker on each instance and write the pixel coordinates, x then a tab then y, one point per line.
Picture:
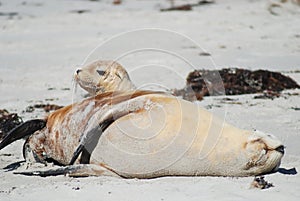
115	77
157	135
215	148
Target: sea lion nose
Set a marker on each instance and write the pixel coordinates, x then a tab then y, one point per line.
78	71
280	149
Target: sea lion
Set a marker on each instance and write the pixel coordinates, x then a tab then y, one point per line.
145	134
103	76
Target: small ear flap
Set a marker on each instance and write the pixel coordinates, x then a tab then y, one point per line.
24	130
100	72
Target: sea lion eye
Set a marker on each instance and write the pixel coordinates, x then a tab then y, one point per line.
101	72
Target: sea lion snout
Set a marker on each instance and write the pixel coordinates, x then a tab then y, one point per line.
265	152
280	149
272	142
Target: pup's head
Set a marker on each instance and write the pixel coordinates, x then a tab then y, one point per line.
103	76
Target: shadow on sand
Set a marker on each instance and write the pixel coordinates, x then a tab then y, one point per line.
291	171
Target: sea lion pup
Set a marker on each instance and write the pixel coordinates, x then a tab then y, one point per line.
103	76
144	134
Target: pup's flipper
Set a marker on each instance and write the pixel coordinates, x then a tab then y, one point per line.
98	124
80	170
89	142
24	130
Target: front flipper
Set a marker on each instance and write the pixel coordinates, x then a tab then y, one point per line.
89	142
98	124
24	130
80	170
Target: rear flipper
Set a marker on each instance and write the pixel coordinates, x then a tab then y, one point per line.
24	130
80	170
13	166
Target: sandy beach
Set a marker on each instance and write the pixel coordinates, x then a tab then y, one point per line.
44	42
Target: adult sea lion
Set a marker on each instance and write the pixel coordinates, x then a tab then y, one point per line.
144	134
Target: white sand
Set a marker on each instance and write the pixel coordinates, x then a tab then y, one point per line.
41	46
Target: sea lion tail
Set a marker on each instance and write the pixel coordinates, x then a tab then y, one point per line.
24	130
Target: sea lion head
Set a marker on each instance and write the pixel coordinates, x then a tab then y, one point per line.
103	76
264	153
